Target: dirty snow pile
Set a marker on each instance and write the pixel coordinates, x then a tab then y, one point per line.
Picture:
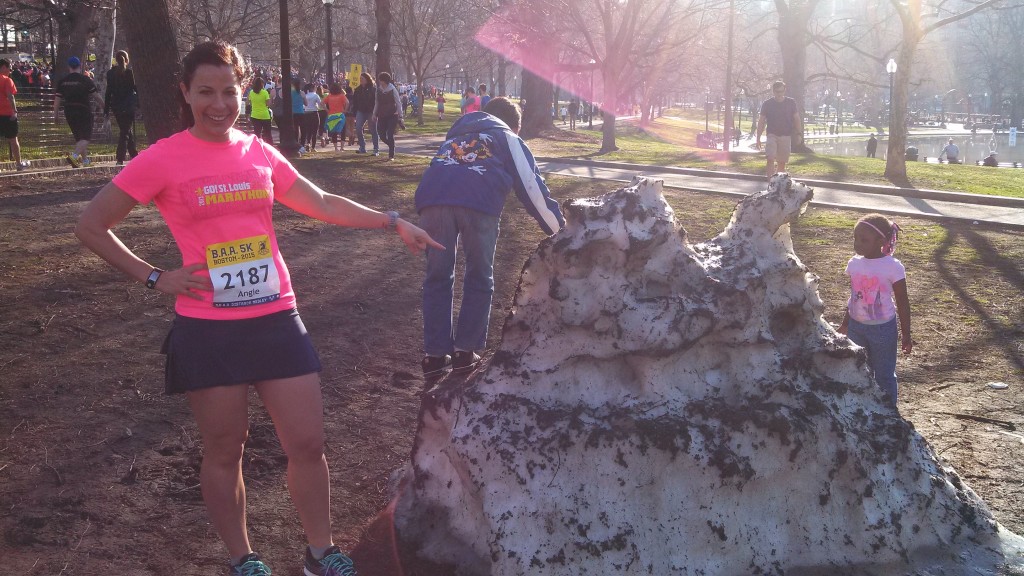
657	407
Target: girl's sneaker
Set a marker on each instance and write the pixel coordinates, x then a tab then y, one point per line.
334	563
251	565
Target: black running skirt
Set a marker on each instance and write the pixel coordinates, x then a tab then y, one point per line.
207	353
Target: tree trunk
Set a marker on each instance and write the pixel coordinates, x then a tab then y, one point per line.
793	38
609	104
154	53
537	116
73	30
500	89
895	160
382	10
106	35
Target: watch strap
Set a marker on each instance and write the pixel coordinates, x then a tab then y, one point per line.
392	222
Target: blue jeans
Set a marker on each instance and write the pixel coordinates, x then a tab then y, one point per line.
880	341
362	118
479	234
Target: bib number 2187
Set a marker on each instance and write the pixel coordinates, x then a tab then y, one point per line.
243	272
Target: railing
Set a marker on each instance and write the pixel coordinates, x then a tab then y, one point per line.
42	134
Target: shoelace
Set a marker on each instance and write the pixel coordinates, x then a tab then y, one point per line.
253	568
337	564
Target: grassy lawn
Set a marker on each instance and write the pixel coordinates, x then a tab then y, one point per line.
669	142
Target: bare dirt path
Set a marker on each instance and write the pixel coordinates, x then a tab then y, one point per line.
99	470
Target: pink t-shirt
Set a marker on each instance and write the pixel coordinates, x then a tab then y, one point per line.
472	104
217	199
871	281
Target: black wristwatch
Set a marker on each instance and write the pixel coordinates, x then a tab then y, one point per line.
153	277
392	222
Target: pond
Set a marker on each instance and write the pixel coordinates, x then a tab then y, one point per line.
972	148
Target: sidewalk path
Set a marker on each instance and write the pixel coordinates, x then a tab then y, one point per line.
831	194
940	205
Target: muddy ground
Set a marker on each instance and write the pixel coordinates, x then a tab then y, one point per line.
99	470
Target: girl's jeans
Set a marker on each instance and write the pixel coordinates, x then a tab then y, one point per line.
361	118
880	341
479	234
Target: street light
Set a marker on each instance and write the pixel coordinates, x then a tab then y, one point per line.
444	83
330	53
593	63
839	101
890	67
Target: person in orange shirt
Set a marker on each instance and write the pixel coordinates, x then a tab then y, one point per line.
336	103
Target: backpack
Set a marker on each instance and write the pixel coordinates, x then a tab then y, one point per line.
386	105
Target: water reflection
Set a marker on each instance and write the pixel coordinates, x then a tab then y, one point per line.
972	148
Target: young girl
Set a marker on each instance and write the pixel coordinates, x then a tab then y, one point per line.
236	325
876	279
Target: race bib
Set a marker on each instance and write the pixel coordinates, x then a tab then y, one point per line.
243	272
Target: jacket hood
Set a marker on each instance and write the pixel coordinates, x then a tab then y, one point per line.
476	122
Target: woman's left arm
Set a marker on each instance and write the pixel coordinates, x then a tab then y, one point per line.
899	290
306	198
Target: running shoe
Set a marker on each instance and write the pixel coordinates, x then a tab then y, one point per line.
334	563
86	162
251	565
22	165
464	361
74	159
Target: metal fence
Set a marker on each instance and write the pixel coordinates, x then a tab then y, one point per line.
43	134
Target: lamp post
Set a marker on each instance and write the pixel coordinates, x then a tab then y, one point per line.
593	63
839	102
444	83
330	52
890	67
462	72
707	110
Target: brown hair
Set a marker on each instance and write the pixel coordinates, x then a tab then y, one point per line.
368	78
216	53
505	110
384	77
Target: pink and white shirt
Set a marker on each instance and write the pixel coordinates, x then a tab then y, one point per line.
217	199
871	280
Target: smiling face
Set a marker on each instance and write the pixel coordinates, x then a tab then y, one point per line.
867	242
215	96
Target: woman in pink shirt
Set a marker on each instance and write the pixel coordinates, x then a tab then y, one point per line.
236	322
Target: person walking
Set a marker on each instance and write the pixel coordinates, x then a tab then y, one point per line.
121	98
780	116
259	102
76	91
872	145
336	103
236	326
387	110
365	101
9	114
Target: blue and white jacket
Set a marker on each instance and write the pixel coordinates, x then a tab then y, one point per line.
481	160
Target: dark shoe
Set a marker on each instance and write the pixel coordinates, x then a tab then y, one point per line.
360	151
435	367
251	566
464	361
334	563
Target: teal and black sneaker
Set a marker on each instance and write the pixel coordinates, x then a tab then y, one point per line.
334	563
251	565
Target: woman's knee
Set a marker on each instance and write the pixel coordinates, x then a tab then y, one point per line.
224	448
303	446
